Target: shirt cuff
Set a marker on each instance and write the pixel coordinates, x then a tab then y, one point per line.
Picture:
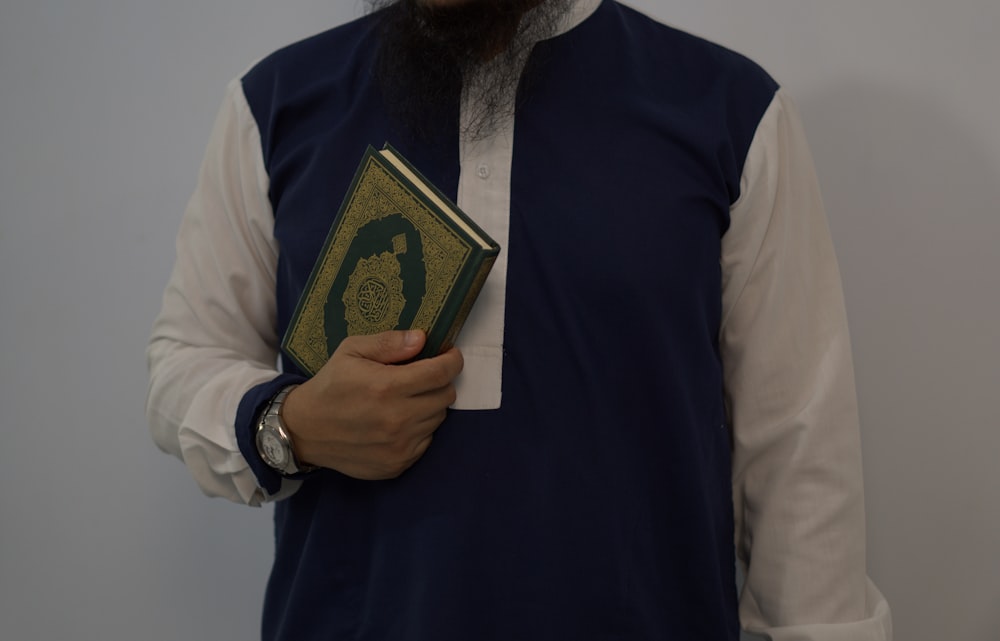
248	413
876	626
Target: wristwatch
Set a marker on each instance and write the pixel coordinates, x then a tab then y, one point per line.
273	441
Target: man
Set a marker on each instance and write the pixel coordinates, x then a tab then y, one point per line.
658	363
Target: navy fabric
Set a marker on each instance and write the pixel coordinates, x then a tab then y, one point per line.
596	502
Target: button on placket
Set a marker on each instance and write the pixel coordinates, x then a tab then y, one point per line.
483	171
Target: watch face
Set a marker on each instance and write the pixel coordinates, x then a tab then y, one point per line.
272	448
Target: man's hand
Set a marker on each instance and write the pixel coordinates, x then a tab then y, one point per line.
366	417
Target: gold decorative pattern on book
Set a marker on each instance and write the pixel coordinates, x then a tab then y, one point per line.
379	194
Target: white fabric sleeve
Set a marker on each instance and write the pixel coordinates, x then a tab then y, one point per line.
215	336
797	478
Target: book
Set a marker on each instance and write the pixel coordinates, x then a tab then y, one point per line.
399	255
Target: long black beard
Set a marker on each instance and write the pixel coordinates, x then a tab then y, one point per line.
430	57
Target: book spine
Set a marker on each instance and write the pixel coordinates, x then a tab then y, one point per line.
445	334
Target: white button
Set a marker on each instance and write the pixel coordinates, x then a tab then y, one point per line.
483	171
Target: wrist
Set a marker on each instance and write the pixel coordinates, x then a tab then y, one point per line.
293	418
275	441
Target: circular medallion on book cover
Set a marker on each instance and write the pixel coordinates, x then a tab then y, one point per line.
373	299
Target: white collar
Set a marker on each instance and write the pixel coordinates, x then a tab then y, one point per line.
580	11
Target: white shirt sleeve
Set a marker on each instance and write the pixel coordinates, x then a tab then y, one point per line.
215	337
797	478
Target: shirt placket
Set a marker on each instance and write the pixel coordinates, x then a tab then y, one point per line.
484	194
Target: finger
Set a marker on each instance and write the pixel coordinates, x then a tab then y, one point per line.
393	470
426	427
421	446
428	374
387	347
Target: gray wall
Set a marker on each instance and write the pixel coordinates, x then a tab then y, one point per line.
105	106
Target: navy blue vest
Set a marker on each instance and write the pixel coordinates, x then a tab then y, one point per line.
596	502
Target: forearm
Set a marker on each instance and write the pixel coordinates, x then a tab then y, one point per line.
194	395
215	338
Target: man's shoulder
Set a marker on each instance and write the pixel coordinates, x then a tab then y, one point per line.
678	51
330	53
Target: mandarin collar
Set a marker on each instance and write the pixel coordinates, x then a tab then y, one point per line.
580	11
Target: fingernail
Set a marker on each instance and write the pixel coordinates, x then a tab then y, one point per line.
411	338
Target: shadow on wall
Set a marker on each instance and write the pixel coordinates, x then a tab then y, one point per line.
910	188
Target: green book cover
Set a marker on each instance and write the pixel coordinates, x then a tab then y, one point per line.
400	255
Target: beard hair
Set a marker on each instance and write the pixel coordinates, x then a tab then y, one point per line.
432	58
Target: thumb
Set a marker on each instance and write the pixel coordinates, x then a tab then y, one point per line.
388	347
